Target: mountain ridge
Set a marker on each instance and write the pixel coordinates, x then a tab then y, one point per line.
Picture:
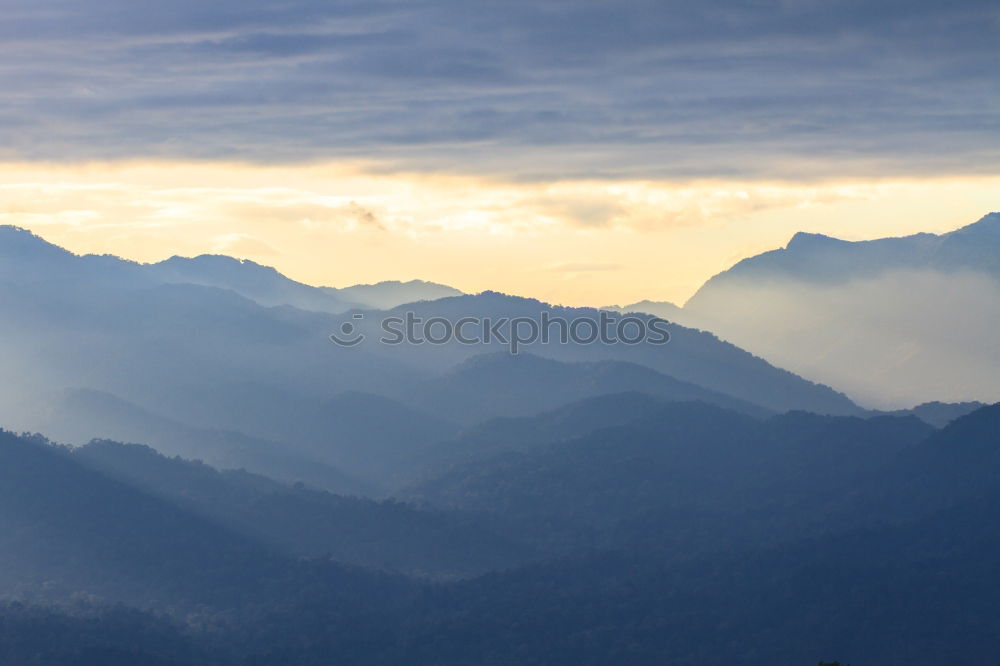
807	255
893	321
262	284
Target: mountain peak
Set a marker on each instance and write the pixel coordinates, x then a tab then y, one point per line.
220	262
20	242
388	294
987	226
806	240
12	231
402	283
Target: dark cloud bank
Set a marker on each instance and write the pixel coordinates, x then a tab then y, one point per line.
532	89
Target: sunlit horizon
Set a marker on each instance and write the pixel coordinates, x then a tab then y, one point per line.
573	242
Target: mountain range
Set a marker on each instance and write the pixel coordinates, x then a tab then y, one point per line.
892	322
111	349
225	484
647	529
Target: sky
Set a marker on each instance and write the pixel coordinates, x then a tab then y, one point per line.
587	152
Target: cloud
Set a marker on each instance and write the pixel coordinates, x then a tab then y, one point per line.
347	217
586	210
792	89
477	233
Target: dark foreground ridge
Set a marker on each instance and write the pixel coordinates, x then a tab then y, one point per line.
683	532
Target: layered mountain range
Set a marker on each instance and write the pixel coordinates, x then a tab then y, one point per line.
648	529
219	482
892	322
232	362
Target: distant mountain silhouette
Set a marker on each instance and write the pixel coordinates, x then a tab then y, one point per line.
268	287
261	284
501	384
375	437
25	256
701	474
692	356
821	259
355	443
663	310
511	434
393	293
309	523
207	359
892	322
940	414
81	415
22	250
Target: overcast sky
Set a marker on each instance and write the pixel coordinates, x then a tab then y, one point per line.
536	93
634	87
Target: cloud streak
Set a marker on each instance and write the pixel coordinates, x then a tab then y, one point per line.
525	90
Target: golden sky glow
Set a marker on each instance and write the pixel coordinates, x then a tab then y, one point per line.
572	242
